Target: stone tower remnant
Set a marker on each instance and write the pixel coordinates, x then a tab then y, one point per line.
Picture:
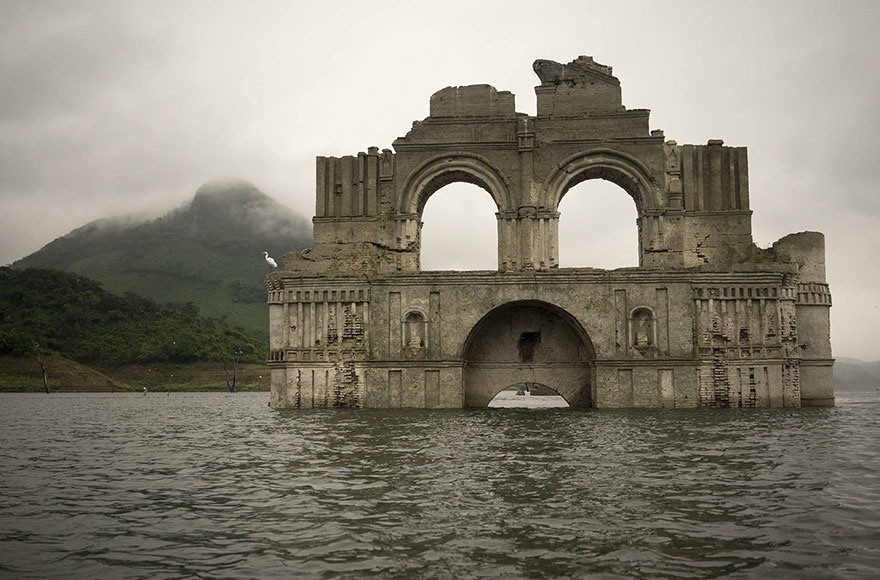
707	319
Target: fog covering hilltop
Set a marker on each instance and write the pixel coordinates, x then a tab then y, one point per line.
208	252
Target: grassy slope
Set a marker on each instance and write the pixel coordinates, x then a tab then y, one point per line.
181	271
214	298
191	377
23	374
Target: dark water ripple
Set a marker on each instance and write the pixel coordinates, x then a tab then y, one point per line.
220	486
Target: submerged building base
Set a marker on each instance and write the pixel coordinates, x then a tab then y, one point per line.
707	319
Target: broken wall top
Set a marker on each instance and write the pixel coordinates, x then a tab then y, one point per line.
581	98
473	101
578	88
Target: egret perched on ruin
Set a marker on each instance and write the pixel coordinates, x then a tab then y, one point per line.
270	261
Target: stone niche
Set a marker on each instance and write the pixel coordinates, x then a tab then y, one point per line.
707	319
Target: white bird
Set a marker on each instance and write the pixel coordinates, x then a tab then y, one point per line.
270	261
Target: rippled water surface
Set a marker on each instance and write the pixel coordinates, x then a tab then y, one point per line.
219	485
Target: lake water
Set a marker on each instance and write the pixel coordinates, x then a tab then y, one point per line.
221	486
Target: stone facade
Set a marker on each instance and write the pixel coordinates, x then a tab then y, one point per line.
707	319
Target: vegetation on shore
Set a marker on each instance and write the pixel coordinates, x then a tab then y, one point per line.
72	320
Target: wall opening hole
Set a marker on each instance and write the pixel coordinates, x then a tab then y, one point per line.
597	227
528	343
459	229
528	395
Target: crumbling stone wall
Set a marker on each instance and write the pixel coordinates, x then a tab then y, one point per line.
706	319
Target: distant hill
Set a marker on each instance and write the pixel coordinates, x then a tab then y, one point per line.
850	373
208	252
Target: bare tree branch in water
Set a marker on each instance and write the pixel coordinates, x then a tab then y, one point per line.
38	356
226	363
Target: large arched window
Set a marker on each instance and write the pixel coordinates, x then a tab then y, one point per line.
597	227
459	229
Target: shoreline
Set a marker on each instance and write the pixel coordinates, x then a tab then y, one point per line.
22	375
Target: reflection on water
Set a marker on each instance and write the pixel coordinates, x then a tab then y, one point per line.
112	485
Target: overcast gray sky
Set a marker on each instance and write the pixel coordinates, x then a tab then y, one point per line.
116	107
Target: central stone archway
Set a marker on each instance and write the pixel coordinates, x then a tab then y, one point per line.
528	341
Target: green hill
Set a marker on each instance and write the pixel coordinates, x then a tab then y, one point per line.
73	316
207	252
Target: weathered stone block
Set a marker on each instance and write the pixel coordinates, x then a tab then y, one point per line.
472	101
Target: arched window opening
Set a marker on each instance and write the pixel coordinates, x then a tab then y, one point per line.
414	331
528	395
459	229
597	227
642	328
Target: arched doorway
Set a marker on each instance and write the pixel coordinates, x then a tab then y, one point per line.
528	341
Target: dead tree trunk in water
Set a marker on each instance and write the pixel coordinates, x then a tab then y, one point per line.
229	386
235	358
38	356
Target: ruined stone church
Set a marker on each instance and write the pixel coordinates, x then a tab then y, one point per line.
707	319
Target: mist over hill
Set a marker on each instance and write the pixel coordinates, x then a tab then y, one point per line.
208	252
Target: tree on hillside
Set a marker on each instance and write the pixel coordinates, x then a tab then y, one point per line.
15	343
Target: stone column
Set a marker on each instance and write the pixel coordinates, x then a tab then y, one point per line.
528	230
508	249
550	239
526	234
